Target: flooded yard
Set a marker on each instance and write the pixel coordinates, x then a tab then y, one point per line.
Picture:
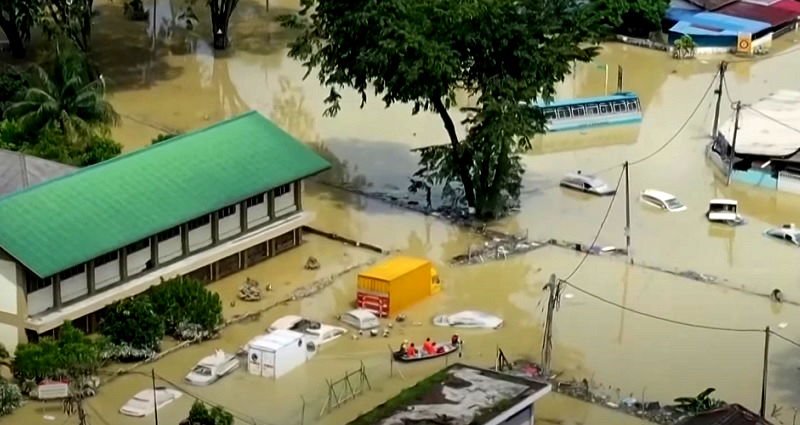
181	85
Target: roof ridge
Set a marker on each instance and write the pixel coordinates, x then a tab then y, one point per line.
84	170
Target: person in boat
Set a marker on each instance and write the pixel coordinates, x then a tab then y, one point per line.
431	348
426	346
455	340
411	351
440	349
403	347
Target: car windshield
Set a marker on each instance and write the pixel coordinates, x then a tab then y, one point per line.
202	370
673	203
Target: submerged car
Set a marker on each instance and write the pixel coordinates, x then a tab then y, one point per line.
586	183
211	368
724	211
320	333
787	232
469	319
361	319
662	200
143	404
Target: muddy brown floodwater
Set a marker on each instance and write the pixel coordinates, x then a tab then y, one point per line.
181	85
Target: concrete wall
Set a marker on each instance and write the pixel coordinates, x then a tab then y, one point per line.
257	214
230	225
284	204
74	287
106	274
41	300
137	260
169	249
8	287
200	237
9	336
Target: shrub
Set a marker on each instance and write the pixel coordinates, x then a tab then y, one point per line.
73	354
98	149
187	307
200	415
12	85
162	137
133	323
10	397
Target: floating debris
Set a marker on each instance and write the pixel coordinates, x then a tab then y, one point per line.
311	264
783	325
498	246
250	291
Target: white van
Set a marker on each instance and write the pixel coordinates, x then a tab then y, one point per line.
361	319
277	353
662	200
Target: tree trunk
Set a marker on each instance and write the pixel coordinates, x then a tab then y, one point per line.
15	40
461	159
220	27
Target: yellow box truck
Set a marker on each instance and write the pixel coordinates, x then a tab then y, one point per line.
395	284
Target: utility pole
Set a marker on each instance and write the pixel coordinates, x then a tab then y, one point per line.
628	213
732	155
763	410
722	67
554	286
619	77
154	24
155	396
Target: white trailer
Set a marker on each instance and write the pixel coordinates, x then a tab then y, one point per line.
277	353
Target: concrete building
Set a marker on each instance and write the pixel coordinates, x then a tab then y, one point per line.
462	395
205	204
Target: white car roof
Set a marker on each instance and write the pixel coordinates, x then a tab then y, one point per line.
215	359
594	181
275	340
662	196
362	314
286	322
724	201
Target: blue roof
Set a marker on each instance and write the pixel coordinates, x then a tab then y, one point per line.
717	24
583	100
680	14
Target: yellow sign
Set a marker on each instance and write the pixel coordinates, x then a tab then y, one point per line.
744	43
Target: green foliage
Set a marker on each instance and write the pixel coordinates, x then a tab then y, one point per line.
134	10
200	415
71	19
162	137
188	309
64	98
684	47
506	53
52	145
133	322
632	17
698	404
72	355
16	20
99	149
10	397
12	86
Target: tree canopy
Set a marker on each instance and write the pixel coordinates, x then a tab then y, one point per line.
71	19
71	355
17	17
633	17
506	53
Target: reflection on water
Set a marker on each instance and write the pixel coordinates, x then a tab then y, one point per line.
183	85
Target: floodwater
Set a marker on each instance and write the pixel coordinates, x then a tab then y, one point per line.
181	85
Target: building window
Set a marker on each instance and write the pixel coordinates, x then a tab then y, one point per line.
283	190
199	222
72	272
169	234
231	210
106	258
255	200
34	282
138	246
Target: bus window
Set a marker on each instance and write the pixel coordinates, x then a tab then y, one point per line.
619	106
604	109
549	114
578	111
592	110
563	113
632	106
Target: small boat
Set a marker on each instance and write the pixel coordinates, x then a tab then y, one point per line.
586	183
403	357
319	333
469	319
209	369
142	403
724	211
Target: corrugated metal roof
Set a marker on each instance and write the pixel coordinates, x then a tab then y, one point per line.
18	171
772	135
394	267
790	5
711	4
63	222
718	24
732	414
771	14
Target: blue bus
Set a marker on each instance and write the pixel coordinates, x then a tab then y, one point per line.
572	114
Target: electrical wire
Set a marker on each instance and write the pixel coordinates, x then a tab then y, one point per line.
727	93
600	229
796	344
656	317
773	119
682	127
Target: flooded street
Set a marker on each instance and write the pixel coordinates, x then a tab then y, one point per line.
182	86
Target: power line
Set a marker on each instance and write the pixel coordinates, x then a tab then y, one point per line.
796	344
763	114
727	93
682	127
661	318
600	229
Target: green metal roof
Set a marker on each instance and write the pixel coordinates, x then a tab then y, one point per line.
63	222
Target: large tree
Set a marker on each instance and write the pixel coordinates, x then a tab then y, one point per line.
71	19
506	53
16	19
632	17
221	11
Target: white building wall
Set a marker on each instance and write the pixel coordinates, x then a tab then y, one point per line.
230	225
284	204
8	287
137	260
257	214
9	336
169	249
789	182
200	237
106	274
74	287
41	300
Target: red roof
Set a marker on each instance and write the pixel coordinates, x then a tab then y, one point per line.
776	14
